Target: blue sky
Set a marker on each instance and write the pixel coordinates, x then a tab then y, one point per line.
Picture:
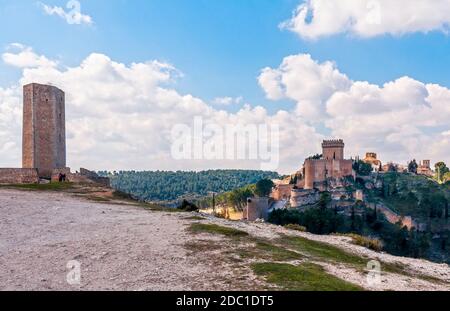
221	46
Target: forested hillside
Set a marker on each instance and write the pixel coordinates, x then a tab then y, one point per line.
170	186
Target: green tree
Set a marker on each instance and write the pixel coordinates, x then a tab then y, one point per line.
412	166
441	171
264	187
361	168
446	177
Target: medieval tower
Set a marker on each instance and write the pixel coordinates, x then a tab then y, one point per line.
331	165
44	129
333	149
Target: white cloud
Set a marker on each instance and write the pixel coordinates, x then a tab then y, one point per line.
402	119
368	18
120	116
304	80
227	101
74	16
21	56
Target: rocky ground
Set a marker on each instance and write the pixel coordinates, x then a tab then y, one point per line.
125	246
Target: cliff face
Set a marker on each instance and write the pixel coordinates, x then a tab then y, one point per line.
125	245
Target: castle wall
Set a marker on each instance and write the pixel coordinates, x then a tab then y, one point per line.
300	197
44	138
282	192
318	171
18	176
394	218
330	153
85	176
309	174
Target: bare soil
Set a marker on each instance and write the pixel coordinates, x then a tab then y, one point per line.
119	247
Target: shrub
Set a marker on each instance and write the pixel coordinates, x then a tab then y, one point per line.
216	229
370	243
188	207
295	227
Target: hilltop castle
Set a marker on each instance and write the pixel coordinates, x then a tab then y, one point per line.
319	173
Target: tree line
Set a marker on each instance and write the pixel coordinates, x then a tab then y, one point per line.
170	186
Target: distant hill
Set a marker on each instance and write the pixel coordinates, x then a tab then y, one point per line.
170	186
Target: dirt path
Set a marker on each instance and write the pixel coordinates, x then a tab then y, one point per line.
119	247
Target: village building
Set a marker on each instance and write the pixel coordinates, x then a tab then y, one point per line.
424	168
371	158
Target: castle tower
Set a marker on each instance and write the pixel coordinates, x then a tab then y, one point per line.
44	129
333	149
309	174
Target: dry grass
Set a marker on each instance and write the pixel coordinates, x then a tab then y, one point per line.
295	227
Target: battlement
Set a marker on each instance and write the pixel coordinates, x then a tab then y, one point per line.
371	155
333	143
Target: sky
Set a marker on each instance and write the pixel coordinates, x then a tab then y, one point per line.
372	72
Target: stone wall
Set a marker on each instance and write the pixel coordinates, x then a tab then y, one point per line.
393	218
257	208
282	192
318	171
18	176
301	197
84	176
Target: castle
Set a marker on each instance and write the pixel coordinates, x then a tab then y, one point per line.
319	173
331	167
44	140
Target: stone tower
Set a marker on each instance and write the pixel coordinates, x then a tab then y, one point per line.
333	149
44	129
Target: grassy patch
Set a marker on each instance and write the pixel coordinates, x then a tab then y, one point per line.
202	246
305	277
216	229
96	198
122	195
399	268
267	251
323	251
159	208
195	218
367	242
43	187
295	227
